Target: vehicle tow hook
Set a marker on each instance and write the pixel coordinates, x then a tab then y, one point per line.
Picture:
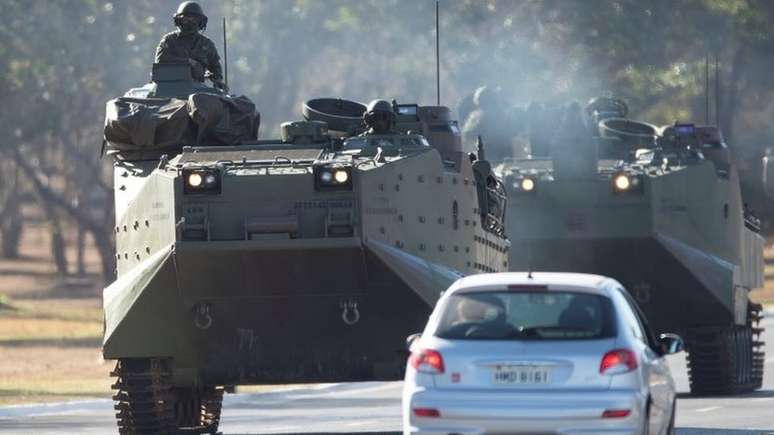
202	317
349	312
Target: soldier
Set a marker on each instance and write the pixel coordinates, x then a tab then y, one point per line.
379	117
492	122
189	46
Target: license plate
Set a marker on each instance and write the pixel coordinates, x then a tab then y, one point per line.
521	375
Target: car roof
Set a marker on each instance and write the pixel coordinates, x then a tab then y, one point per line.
554	281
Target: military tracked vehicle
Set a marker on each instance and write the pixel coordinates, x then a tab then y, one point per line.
307	258
660	210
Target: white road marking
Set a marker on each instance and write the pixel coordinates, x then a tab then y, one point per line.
358	423
708	409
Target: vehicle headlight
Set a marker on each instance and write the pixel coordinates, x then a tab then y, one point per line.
201	181
623	183
524	185
333	178
340	175
194	180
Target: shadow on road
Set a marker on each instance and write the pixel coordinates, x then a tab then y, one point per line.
680	431
333	433
753	395
705	431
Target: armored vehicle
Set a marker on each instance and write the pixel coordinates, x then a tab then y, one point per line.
300	259
660	210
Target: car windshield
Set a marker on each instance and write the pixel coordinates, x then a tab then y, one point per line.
530	315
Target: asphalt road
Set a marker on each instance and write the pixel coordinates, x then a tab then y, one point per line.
375	407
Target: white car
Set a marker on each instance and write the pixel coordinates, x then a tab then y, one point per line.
542	353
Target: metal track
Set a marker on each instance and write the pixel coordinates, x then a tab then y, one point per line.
728	359
147	403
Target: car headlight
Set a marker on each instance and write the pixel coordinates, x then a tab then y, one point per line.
623	183
201	181
333	178
524	185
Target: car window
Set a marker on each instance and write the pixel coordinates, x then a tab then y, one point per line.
630	318
647	333
538	315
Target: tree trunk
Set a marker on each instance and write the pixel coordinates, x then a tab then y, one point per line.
103	240
58	245
81	246
101	230
11	219
11	227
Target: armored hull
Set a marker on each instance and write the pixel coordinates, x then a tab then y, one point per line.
669	225
271	280
308	258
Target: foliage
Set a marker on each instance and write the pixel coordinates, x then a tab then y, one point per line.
61	60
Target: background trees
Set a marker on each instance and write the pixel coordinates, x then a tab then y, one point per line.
61	60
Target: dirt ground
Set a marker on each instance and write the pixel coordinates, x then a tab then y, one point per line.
765	295
51	326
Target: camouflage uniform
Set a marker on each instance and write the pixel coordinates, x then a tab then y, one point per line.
379	117
497	126
194	48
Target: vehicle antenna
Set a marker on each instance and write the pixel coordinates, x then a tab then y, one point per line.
717	91
706	91
480	148
225	53
438	51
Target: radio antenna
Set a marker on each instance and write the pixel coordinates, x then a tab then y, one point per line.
706	91
717	91
438	51
225	53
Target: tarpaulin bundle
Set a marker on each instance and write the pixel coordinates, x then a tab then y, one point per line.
145	128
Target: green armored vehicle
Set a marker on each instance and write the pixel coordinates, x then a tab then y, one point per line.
660	210
307	258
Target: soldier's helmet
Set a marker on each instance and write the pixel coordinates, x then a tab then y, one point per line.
379	116
190	9
601	108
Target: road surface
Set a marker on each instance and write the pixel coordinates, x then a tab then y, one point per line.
375	407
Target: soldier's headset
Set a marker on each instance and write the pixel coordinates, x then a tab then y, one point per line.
369	116
202	20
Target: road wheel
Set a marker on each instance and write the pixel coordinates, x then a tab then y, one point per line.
197	410
148	404
726	359
142	397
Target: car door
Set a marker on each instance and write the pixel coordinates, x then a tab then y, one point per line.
660	383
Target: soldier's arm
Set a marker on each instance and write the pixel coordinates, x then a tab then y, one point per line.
165	52
213	63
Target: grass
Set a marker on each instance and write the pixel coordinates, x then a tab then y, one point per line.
50	351
50	340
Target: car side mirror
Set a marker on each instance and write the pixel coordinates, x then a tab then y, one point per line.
671	343
411	339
